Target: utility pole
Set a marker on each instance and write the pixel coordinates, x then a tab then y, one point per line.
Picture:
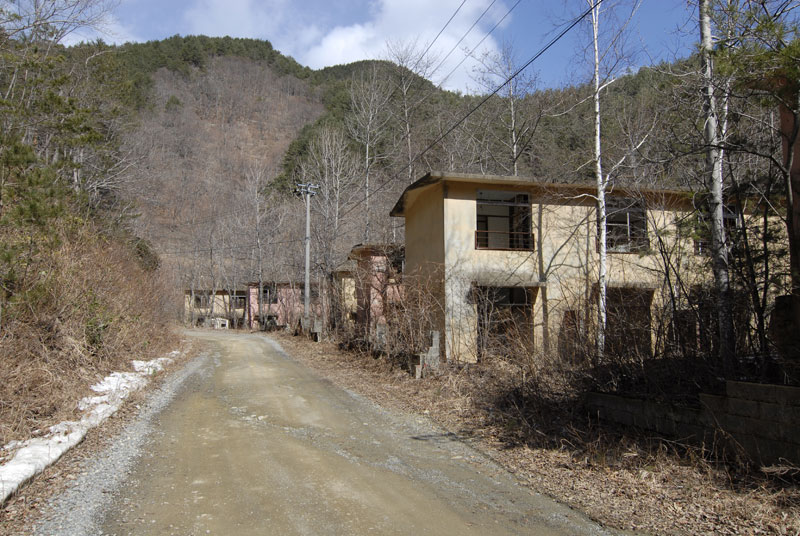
307	190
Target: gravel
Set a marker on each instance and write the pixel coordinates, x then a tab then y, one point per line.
78	510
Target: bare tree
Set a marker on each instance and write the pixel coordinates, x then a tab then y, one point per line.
330	165
369	97
607	59
513	108
714	184
410	90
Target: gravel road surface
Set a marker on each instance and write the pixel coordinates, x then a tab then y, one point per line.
245	440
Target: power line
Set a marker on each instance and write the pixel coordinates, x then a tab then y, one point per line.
455	125
442	31
469	54
485	11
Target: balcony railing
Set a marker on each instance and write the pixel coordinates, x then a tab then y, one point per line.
503	240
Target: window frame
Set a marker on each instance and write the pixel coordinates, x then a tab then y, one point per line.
520	216
635	236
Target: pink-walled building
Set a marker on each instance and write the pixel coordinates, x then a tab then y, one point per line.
378	284
282	305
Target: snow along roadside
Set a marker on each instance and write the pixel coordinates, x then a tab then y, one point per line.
31	457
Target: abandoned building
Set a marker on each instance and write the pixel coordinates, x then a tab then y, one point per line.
377	279
515	262
215	308
281	304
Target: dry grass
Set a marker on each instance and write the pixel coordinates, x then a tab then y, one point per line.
86	308
622	480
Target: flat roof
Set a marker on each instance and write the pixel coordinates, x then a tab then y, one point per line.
566	190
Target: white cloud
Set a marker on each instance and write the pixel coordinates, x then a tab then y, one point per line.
110	30
408	20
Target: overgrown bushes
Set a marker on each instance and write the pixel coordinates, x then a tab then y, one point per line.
80	308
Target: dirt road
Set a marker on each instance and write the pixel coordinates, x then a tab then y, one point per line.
255	443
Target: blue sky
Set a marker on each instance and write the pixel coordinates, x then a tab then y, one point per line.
323	32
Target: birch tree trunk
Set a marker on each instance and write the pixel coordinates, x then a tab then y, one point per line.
719	252
601	190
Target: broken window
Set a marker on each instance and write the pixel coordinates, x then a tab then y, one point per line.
572	344
239	300
503	221
202	300
505	318
626	225
269	293
313	294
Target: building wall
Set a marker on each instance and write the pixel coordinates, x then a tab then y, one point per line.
565	262
287	311
423	279
221	302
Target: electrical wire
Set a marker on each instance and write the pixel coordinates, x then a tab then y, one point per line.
442	31
469	54
483	101
465	35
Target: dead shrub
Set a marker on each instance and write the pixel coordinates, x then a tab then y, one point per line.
81	310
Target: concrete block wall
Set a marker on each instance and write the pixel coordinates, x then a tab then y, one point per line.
763	420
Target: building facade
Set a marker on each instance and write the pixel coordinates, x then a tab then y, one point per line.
515	263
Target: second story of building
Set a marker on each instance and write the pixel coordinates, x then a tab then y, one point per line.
516	231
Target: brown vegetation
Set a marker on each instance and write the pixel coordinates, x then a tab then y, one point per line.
89	307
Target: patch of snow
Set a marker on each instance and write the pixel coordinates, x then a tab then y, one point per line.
151	367
28	458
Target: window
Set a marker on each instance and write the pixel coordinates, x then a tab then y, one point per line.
202	300
730	221
239	300
269	293
628	322
505	318
314	294
503	221
626	225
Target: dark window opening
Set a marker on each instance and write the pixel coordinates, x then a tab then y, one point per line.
626	225
269	293
628	322
239	300
313	295
505	319
503	221
731	222
572	342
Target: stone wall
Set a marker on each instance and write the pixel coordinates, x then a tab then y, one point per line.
762	420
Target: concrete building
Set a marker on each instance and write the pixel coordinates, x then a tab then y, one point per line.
219	308
515	262
281	304
377	285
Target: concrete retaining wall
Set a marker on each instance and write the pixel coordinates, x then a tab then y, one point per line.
764	420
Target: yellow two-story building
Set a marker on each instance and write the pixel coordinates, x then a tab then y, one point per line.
509	261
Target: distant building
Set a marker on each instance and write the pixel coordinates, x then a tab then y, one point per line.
203	307
377	285
281	304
